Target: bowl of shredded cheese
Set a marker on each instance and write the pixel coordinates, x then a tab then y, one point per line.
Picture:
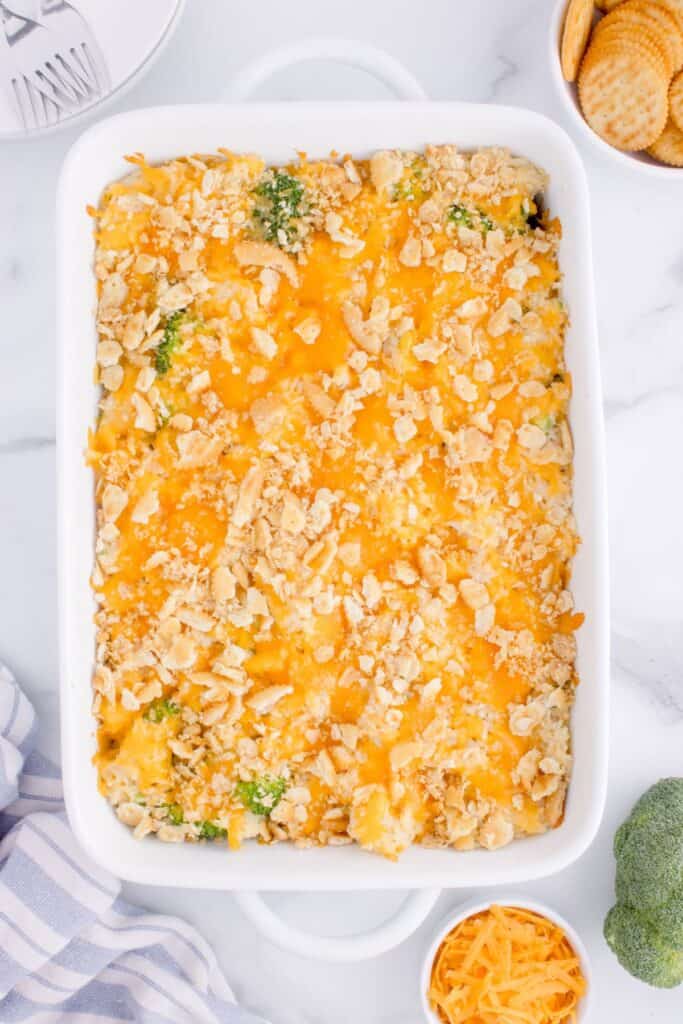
505	962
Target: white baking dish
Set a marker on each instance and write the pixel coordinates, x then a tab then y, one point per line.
276	131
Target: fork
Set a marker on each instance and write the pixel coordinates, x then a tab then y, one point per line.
58	66
87	60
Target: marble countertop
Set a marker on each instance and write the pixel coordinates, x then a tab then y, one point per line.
459	49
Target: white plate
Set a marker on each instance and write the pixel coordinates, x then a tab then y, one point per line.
131	35
277	131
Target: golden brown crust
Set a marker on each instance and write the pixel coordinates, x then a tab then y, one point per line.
334	502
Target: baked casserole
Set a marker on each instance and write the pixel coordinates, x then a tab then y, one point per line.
334	490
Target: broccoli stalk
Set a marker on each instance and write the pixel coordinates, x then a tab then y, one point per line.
645	927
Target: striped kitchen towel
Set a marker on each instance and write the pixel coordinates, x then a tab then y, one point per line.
71	950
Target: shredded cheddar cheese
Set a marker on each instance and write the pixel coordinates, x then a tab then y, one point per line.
333	482
506	965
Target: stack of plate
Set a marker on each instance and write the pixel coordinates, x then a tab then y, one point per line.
59	60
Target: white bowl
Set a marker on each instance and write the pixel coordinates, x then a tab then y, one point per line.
466	910
639	162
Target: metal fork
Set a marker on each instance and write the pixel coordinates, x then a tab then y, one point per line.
82	49
58	67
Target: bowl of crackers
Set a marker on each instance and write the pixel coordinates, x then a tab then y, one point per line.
618	66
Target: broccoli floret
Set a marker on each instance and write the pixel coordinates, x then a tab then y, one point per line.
645	928
169	343
459	214
174	813
667	919
412	187
160	709
649	847
261	796
641	949
208	830
545	423
280	203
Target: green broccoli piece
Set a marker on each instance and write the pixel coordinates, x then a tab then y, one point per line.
645	927
169	343
546	423
411	187
261	796
174	813
160	709
208	830
280	203
642	949
459	214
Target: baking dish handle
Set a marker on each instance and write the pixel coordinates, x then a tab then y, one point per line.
344	51
341	949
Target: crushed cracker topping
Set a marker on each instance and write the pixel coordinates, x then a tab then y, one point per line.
334	484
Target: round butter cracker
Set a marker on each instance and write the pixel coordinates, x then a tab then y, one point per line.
577	26
676	8
668	148
676	101
623	95
636	19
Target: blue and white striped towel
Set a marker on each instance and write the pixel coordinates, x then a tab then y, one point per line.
71	950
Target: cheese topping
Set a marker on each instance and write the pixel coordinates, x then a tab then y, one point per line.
333	493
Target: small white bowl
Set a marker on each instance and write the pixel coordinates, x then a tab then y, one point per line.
466	910
639	162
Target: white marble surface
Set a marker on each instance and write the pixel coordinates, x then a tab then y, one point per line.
460	49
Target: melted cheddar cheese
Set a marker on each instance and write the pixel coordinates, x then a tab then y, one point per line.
333	491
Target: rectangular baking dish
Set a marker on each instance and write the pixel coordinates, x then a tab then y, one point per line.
277	131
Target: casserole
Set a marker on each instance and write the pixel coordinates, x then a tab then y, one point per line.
305	631
276	131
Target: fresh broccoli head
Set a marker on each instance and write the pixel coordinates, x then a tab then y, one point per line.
645	927
261	796
642	949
